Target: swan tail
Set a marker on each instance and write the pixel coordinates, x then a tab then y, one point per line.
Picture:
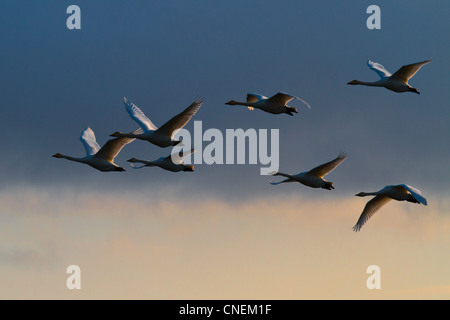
328	185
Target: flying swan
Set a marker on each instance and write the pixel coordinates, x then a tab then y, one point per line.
401	192
314	178
162	136
100	158
172	163
397	82
276	104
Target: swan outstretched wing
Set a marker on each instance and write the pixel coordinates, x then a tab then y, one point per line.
180	120
89	142
254	97
326	168
416	193
379	69
283	98
137	115
371	207
407	72
303	101
113	146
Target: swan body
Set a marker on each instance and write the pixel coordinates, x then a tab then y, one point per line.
276	104
98	158
315	177
401	192
162	136
172	163
397	82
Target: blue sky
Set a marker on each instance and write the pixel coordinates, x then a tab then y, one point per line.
161	55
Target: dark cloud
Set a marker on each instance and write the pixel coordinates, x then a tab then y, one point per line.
55	82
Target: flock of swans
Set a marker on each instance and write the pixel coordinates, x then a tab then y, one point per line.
102	158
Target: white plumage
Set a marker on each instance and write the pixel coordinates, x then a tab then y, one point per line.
173	163
314	178
397	82
100	158
276	104
401	192
162	136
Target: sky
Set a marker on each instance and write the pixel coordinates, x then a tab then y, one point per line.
222	231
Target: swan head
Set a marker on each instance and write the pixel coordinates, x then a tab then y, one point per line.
188	168
57	155
361	194
116	134
353	82
131	160
232	102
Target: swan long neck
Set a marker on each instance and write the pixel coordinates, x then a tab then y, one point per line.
82	160
364	194
283	174
247	104
146	163
125	135
370	84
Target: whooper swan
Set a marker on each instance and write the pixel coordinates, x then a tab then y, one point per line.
401	192
276	104
397	82
162	136
172	163
100	158
314	178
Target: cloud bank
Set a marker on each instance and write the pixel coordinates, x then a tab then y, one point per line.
136	246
